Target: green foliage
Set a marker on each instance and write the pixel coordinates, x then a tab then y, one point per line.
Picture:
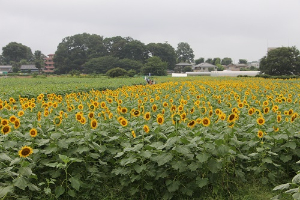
216	61
199	60
209	60
164	51
155	66
220	67
226	61
100	65
16	52
116	72
187	69
75	50
184	53
242	61
281	61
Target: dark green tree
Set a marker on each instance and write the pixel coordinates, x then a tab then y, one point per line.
209	60
116	72
243	61
115	46
136	50
155	66
219	67
76	50
128	64
226	61
187	69
216	61
39	60
199	60
184	53
281	61
100	65
15	66
16	52
164	51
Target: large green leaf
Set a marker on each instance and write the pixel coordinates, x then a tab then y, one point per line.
75	183
5	190
162	158
203	157
4	156
59	190
20	182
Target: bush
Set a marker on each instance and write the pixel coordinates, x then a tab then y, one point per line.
116	72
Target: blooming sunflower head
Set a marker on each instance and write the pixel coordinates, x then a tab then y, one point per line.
160	119
206	121
94	124
5	129
147	116
146	128
25	151
191	124
260	134
260	120
33	132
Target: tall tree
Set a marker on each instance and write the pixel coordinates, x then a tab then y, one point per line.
164	51
135	50
226	61
184	53
216	61
155	66
115	46
209	60
75	50
16	52
281	61
242	61
199	60
39	60
100	65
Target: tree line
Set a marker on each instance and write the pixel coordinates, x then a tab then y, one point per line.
91	53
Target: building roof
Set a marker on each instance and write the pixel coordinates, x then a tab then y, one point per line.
206	65
5	68
184	64
27	67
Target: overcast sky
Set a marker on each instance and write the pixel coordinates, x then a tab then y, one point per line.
239	29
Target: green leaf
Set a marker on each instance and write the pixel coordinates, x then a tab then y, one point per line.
75	183
59	190
3	156
119	154
72	193
282	187
146	154
193	166
296	196
55	136
82	149
296	179
157	145
267	160
5	190
173	186
201	182
25	171
291	145
47	190
203	157
129	160
64	158
214	166
15	161
179	165
182	149
20	182
162	159
139	168
286	158
41	142
63	144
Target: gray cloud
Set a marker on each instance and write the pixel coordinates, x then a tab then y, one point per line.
213	28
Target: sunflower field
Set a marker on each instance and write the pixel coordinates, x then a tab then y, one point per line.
180	139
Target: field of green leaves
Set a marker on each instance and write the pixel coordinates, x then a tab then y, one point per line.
184	138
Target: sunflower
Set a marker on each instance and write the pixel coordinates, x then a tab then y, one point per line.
124	110
25	151
206	121
33	132
146	128
198	120
39	116
183	116
291	111
57	121
91	115
133	134
218	111
103	104
83	120
180	108
278	118
241	105
165	104
136	113
78	116
17	124
80	106
260	120
147	116
124	122
191	124
4	122
276	129
94	124
154	107
251	111
5	129
232	117
160	119
20	113
266	110
260	134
